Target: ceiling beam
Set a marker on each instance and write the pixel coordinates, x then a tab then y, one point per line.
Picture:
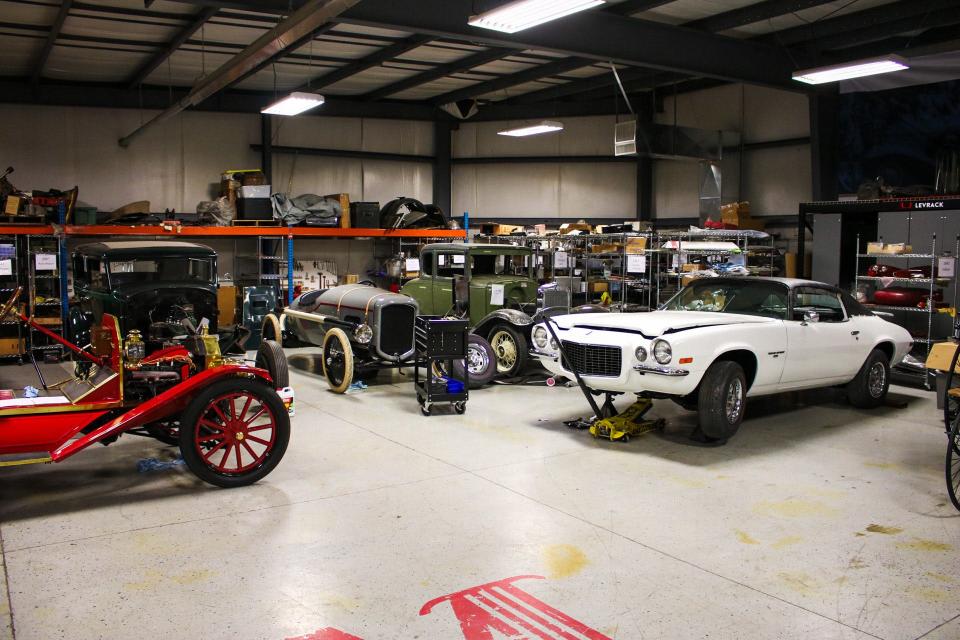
375	59
575	87
597	35
852	21
752	13
505	82
51	38
630	7
876	32
175	43
441	71
284	53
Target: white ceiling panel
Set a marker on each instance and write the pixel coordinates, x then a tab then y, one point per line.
28	14
83	26
436	55
433	89
800	18
91	65
184	67
682	11
368	80
17	55
513	92
159	5
373	31
586	72
502	67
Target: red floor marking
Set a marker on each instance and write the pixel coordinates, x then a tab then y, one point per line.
502	606
327	634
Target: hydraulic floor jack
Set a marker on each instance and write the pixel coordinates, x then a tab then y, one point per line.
606	422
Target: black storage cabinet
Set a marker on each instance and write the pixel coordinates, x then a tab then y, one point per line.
440	341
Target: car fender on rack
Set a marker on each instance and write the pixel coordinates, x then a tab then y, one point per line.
170	402
514	317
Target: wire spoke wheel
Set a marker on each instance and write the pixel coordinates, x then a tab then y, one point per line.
505	348
234	433
952	465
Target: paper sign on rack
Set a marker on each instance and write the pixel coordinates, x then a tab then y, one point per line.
459	258
946	267
413	264
46	261
636	264
560	260
496	294
6	267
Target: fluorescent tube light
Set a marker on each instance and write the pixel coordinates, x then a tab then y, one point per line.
523	14
296	102
846	71
547	126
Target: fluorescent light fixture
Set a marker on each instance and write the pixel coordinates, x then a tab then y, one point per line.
547	126
849	70
523	14
296	102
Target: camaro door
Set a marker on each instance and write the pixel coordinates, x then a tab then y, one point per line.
823	345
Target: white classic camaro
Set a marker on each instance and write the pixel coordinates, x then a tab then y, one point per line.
720	340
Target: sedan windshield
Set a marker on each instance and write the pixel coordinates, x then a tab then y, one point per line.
171	269
749	297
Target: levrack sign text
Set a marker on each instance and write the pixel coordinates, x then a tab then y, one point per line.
939	204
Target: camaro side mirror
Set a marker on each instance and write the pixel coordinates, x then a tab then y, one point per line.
810	316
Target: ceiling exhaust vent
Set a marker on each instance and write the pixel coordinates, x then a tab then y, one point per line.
625	138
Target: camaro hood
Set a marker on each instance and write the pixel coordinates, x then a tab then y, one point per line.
655	323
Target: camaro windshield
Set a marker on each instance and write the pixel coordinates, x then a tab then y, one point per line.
161	270
751	298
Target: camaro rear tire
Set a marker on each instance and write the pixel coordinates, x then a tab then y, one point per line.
510	349
270	356
234	432
869	389
722	400
337	360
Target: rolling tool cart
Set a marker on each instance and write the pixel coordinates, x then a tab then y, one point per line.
441	342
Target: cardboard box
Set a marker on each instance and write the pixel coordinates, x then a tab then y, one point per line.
226	305
636	245
874	247
687	268
685	280
351	278
344	200
897	248
790	265
612	247
583	227
598	286
12	206
940	356
11	346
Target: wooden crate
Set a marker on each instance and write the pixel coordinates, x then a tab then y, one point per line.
344	200
11	346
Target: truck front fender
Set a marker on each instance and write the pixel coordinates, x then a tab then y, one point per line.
513	317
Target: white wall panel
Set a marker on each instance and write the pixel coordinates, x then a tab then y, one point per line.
676	189
598	191
775	115
398	136
715	109
384	181
517	191
325	133
777	180
312	174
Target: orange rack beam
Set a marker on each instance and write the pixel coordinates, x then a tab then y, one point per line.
173	230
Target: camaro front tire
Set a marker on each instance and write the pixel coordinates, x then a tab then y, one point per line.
869	389
722	400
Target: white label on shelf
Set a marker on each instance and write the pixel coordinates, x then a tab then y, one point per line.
496	294
946	267
413	264
560	260
459	258
46	261
6	267
636	264
441	260
539	260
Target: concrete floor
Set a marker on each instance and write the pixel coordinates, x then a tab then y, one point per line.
816	521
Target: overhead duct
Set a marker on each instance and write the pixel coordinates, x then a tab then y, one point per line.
668	142
300	24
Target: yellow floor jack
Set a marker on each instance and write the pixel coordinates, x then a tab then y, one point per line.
629	424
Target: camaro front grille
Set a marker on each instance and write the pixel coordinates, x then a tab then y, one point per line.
592	360
396	329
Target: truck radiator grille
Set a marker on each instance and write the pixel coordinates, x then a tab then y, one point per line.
396	329
592	360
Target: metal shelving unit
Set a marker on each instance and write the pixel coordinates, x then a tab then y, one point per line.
42	264
11	333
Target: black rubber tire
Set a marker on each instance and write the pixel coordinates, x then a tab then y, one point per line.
504	331
859	389
952	465
485	353
337	340
460	407
270	356
717	383
188	421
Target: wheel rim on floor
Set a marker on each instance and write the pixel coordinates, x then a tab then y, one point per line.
505	350
477	361
734	402
235	433
953	465
877	379
335	363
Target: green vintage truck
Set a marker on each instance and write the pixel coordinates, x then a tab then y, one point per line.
493	286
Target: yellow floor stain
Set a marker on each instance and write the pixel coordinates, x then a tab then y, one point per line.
341	602
151	579
939	576
857	563
564	560
745	537
879	528
794	509
928	594
799	582
860	534
893	466
786	541
687	482
841	580
919	544
191	577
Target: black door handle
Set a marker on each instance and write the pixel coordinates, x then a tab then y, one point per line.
854	333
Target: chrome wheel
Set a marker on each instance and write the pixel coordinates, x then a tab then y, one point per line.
505	350
877	379
734	402
477	361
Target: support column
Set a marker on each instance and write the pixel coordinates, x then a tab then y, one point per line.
442	173
824	158
266	147
645	188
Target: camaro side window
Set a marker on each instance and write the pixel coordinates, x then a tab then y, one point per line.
825	303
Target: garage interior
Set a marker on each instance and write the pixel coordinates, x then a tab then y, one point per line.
492	177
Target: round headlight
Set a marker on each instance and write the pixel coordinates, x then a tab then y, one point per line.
641	354
540	337
553	344
662	352
363	334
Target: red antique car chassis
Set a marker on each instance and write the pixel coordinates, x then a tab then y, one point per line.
230	423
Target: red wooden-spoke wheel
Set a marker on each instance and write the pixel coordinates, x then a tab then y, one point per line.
234	432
